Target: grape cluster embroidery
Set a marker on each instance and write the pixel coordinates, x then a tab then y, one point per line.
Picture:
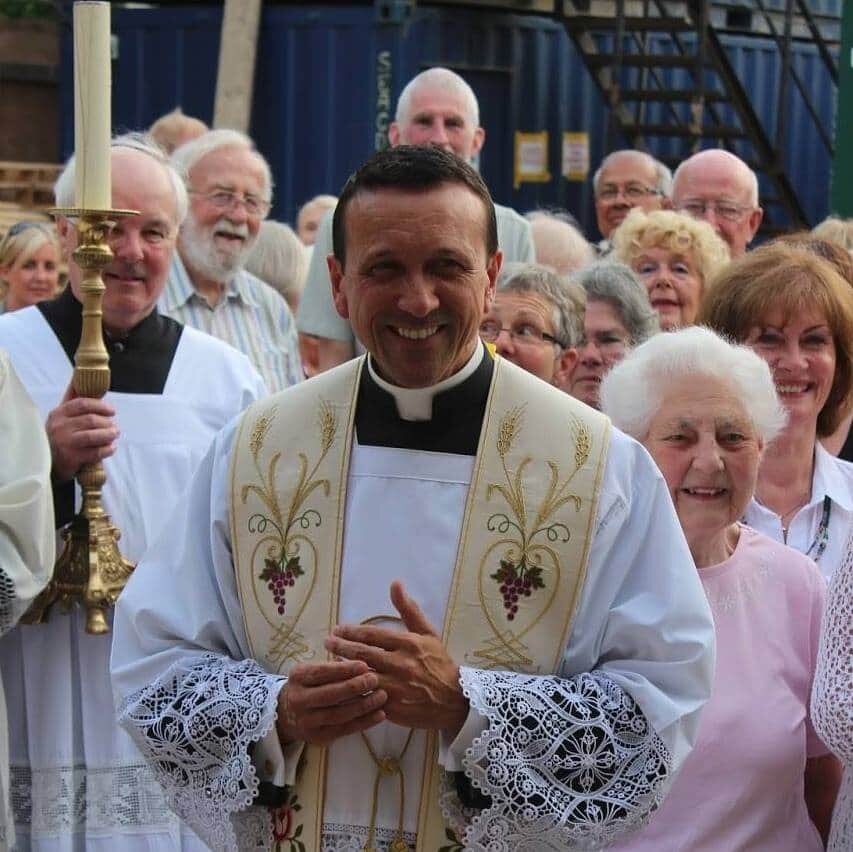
280	575
516	582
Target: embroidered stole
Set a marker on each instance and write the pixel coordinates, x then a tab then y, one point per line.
520	565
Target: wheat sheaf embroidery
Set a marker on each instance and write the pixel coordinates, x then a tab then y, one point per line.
523	560
284	559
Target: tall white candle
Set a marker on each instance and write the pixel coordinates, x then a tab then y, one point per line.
92	104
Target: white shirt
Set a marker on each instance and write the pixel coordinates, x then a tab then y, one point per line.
833	478
643	622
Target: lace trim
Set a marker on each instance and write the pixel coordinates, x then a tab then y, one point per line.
569	763
63	799
832	692
11	607
194	726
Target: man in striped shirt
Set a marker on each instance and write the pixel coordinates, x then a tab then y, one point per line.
230	186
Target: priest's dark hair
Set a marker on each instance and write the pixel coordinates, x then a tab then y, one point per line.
412	168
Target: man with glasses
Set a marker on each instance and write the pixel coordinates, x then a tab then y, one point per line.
720	188
230	187
627	179
536	321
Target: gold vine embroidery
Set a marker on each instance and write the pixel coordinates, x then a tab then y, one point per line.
528	565
288	553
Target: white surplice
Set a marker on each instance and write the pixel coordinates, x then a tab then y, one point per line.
643	631
26	533
78	782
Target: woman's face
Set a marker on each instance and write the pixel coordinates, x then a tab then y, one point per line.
606	342
32	279
705	444
673	282
801	353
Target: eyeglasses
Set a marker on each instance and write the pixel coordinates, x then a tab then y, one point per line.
522	334
225	199
20	227
633	192
727	210
607	344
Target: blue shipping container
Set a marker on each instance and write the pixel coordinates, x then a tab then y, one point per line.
328	77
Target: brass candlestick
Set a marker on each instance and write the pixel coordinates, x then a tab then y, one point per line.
91	568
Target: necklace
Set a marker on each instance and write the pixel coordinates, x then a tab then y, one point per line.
387	766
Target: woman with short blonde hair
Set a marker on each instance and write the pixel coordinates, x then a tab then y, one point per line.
29	265
675	256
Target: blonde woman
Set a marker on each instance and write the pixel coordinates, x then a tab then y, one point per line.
29	265
674	256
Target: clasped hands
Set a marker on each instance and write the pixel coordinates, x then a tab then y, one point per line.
405	677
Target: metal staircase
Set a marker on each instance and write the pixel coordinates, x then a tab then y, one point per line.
672	89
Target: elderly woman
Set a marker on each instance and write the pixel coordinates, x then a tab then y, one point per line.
674	255
832	693
617	318
795	311
536	320
29	265
758	777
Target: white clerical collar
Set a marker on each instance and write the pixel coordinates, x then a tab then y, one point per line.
416	403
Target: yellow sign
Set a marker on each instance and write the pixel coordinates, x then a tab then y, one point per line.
575	156
531	158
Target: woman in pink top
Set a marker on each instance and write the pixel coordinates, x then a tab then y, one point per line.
758	778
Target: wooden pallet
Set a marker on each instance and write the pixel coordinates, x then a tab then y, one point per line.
28	185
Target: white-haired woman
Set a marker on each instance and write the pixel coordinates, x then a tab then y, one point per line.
832	693
618	317
758	777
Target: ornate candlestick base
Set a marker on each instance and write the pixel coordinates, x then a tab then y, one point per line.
91	569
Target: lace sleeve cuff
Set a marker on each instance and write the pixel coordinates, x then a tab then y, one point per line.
194	725
568	763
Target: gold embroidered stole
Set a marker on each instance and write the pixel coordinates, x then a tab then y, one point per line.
520	565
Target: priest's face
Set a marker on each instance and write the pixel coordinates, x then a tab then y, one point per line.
142	245
417	280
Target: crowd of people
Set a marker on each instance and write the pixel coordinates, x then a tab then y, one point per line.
455	528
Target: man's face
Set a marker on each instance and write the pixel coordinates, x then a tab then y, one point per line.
718	191
438	117
627	181
417	280
142	245
228	202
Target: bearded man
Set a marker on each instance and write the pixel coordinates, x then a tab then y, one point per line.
230	186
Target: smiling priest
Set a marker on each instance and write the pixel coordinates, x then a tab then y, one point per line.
425	600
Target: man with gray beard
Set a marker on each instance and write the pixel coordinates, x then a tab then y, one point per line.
230	187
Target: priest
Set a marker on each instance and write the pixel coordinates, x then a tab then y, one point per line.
78	782
422	601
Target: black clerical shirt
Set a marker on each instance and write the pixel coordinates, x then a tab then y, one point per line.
457	416
139	363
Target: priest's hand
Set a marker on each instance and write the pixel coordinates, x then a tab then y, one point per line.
322	702
80	431
413	667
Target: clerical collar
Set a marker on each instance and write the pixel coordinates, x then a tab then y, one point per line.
139	362
416	403
458	406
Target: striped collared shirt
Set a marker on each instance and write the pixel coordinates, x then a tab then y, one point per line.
250	316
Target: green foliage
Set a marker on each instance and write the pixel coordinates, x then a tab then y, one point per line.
40	9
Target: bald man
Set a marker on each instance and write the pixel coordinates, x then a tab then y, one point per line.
719	187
